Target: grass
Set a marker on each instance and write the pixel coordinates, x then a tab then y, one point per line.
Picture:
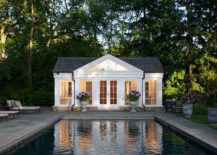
202	119
199	118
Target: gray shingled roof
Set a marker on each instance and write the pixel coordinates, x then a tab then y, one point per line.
69	64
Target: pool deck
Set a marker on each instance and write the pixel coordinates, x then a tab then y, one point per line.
16	131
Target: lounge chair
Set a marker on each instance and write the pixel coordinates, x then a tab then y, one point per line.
16	105
2	116
10	113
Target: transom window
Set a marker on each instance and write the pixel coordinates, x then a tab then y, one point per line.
108	65
151	92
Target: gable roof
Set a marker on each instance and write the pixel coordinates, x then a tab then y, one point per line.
69	64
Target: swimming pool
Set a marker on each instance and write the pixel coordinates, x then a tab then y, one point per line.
102	137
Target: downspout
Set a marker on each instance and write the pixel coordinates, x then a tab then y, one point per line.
143	90
73	79
72	105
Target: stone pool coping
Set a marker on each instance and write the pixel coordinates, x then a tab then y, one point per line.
17	131
198	133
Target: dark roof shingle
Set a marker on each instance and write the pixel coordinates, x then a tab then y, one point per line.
69	64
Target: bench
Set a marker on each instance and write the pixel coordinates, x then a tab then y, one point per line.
3	116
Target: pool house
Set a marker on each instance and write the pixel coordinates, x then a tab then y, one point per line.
108	80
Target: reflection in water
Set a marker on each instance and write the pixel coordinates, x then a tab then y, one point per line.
72	137
152	137
85	140
116	137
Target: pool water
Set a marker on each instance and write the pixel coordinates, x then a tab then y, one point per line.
133	137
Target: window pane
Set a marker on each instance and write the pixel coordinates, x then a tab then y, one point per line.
129	85
151	92
113	92
103	87
89	90
65	92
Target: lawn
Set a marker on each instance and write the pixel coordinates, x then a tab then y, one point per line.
202	119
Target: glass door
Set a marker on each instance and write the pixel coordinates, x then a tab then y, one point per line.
108	92
103	92
113	92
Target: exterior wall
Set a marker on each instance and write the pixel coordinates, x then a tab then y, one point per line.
57	85
120	89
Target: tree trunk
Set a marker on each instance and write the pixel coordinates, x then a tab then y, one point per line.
30	45
3	37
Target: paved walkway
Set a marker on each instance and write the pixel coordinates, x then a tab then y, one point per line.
16	131
199	133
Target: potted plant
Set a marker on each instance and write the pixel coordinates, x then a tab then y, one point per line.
187	107
83	98
212	111
133	97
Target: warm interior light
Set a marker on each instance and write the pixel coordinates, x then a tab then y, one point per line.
151	92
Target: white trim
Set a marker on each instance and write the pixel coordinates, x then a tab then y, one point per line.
118	74
62	76
107	57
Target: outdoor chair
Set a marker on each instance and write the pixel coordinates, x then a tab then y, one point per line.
178	106
3	116
16	105
170	105
14	114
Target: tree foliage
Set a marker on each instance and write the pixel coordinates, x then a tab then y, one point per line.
34	33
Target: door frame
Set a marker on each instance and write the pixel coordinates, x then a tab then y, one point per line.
108	105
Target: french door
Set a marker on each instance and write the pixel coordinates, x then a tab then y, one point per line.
108	92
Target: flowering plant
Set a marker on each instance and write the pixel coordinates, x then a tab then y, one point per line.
133	95
83	96
189	98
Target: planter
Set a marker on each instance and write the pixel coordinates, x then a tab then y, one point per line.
84	106
187	109
212	115
133	105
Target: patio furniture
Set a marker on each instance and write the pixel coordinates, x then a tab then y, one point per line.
178	106
173	105
170	105
16	105
3	116
14	114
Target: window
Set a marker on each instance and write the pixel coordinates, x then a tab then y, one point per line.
86	86
66	92
103	92
151	92
108	65
113	92
129	85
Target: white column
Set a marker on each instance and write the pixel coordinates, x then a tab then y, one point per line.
143	82
57	92
95	92
73	94
139	87
159	92
77	91
121	92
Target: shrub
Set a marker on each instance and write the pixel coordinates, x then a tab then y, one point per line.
200	109
42	97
